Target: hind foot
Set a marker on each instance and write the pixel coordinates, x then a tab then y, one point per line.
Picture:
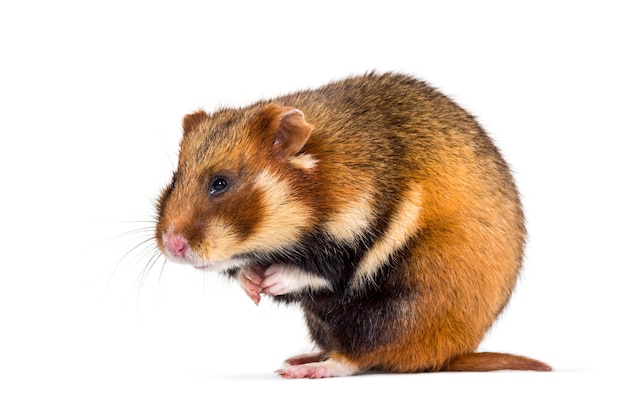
317	366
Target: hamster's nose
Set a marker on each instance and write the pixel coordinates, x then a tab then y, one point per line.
176	244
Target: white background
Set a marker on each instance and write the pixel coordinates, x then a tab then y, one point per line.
91	100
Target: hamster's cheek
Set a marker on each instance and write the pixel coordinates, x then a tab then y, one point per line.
219	244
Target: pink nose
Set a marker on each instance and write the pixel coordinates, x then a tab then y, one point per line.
176	244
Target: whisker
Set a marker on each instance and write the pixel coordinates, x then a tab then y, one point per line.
162	270
146	244
145	272
169	157
204	282
141	251
136	252
149	230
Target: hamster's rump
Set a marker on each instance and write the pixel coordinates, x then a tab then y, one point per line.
375	202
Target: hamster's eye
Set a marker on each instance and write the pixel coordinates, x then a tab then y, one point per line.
218	186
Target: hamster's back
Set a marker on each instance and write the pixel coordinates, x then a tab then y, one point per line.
441	200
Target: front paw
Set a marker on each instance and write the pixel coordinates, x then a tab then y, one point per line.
278	281
250	280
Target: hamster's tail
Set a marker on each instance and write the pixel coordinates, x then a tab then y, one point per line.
491	361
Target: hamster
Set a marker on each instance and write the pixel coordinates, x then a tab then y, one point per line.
376	203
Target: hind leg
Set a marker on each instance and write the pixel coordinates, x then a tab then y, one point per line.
306	358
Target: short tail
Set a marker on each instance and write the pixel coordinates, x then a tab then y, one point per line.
491	361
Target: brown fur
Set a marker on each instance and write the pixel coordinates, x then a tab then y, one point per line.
378	184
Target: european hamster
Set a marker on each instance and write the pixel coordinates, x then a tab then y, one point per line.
376	203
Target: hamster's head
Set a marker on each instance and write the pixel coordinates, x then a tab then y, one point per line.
235	192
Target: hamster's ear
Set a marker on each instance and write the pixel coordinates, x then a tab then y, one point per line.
293	132
284	128
191	121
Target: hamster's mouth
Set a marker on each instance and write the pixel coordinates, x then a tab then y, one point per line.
222	265
207	267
